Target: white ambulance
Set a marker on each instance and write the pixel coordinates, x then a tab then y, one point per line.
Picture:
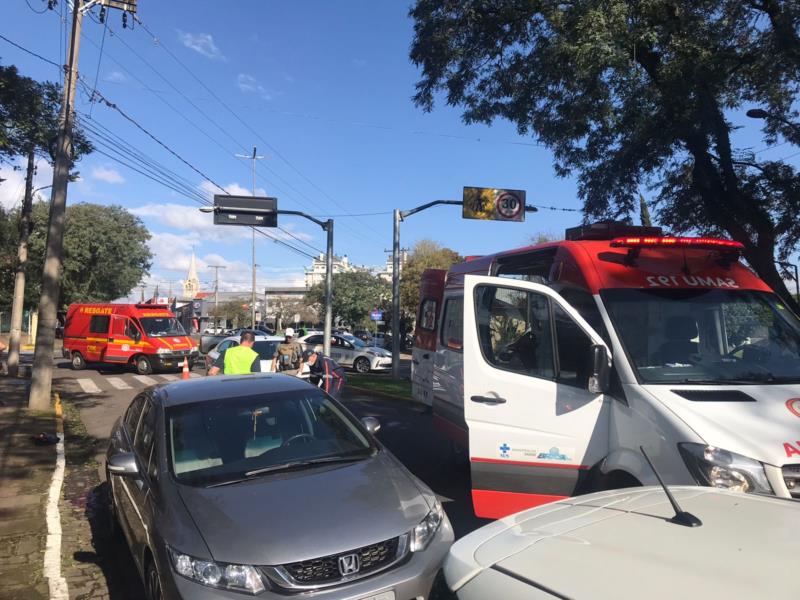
554	363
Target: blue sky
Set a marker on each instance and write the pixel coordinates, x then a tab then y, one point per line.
323	89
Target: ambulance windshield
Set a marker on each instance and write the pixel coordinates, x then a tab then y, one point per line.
709	336
162	326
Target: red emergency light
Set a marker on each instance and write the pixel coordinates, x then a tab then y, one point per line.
674	242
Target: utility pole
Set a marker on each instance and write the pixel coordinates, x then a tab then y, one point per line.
216	292
254	157
15	332
41	379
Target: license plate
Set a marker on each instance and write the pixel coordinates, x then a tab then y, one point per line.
384	596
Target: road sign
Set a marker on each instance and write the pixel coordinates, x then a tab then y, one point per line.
245	210
376	315
493	204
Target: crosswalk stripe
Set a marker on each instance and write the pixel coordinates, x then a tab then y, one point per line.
145	379
118	383
88	386
169	377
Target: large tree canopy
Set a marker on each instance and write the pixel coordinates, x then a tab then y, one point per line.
630	94
355	294
105	254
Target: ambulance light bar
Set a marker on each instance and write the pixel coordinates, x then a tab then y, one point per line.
674	242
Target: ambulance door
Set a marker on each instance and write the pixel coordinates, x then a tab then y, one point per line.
120	342
534	372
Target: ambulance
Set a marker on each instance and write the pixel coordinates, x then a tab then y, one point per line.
555	364
147	336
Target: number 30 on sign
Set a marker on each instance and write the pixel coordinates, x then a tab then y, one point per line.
492	204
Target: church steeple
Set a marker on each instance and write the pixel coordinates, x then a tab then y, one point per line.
192	284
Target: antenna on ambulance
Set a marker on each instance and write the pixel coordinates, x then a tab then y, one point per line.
681	516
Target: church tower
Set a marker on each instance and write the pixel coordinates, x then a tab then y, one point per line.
191	285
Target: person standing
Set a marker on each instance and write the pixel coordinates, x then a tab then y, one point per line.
288	357
325	373
238	360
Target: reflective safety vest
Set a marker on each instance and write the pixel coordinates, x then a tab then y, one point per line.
239	360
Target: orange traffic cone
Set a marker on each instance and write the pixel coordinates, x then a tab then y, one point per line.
185	374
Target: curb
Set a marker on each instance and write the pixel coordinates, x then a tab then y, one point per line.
52	555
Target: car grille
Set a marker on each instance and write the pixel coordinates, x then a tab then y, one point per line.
791	475
324	571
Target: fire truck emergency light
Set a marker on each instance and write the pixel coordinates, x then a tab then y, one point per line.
674	242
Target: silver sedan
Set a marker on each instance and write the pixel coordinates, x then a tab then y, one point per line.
349	351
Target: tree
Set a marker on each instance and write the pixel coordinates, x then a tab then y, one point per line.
355	294
426	254
237	312
8	256
105	253
632	93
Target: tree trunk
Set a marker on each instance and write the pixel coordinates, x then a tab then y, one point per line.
19	279
763	262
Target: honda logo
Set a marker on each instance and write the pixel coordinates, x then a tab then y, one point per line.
349	564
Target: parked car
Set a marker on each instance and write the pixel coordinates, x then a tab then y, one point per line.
621	544
264	485
349	351
265	345
213	330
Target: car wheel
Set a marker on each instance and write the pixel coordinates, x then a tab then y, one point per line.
78	363
143	366
152	582
361	365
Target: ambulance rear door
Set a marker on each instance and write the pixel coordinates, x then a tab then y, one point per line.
535	428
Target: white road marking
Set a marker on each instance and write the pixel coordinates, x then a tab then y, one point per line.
169	377
52	554
145	379
88	386
118	383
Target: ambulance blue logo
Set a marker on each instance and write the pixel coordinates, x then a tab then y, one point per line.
504	451
553	454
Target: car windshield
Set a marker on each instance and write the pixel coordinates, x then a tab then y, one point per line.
266	350
219	441
162	326
354	340
706	336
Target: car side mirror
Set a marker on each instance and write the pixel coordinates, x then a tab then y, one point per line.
136	335
123	464
371	424
601	369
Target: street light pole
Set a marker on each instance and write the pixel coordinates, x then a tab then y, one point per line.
760	113
253	157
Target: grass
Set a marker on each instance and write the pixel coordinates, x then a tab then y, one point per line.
382	383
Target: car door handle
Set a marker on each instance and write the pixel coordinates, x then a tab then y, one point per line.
488	400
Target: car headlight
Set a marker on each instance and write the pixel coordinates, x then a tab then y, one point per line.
240	578
423	533
724	469
163	351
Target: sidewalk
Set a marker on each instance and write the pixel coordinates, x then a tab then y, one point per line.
25	473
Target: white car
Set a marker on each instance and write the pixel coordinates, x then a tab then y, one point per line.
349	351
621	544
265	345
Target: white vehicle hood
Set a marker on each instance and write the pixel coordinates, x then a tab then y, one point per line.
758	429
620	544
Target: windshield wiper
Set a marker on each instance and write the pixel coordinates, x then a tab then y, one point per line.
288	466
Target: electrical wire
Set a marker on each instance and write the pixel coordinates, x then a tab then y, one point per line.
31	52
99	61
38	12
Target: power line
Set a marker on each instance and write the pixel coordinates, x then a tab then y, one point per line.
99	62
32	53
38	12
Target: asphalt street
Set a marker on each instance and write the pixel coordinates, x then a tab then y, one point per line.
101	394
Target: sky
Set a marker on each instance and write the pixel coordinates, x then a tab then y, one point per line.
323	91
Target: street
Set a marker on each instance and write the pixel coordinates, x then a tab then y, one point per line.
98	565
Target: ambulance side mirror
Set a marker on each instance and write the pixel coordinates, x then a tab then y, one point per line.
601	369
137	335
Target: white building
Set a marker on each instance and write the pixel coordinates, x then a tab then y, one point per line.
316	272
386	271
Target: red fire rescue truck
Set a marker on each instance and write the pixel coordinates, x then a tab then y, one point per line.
147	336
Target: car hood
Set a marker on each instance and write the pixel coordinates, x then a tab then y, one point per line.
620	544
759	428
286	517
378	350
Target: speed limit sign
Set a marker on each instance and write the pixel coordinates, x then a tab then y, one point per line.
492	204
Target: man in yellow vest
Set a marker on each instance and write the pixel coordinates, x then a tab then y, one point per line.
238	360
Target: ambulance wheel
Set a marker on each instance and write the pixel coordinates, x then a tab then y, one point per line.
77	361
361	365
143	366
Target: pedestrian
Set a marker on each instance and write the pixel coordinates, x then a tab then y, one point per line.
288	357
3	365
238	360
325	372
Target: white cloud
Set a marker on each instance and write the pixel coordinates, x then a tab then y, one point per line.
202	43
234	189
107	175
250	85
116	77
